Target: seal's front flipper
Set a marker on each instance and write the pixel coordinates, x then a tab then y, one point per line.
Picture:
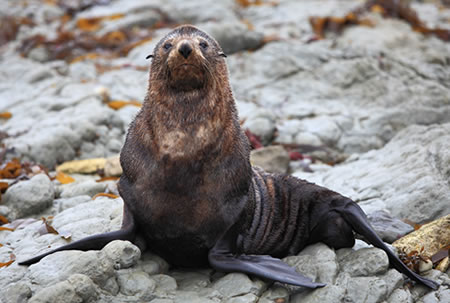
261	266
89	243
127	232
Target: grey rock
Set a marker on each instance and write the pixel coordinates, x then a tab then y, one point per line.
263	127
365	290
325	261
127	7
307	138
39	74
127	114
18	292
95	216
113	167
249	111
438	275
143	18
195	12
303	264
78	288
418	291
441	295
301	168
29	197
288	130
233	37
60	292
211	293
236	284
393	279
136	284
191	296
360	244
388	228
122	253
280	75
258	120
324	128
84	287
82	220
293	15
161	301
111	286
327	155
58	146
60	266
65	203
248	298
413	162
138	54
400	296
114	145
59	66
365	262
5	211
88	187
153	264
329	293
133	83
273	294
271	158
191	281
83	71
39	53
165	285
358	91
40	136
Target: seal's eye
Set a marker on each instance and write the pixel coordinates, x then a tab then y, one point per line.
203	44
167	46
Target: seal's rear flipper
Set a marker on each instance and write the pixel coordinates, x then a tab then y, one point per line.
261	266
356	217
95	242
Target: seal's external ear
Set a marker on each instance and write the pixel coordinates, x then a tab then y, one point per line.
222	54
149	56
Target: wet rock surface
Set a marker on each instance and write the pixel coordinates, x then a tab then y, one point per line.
371	107
29	197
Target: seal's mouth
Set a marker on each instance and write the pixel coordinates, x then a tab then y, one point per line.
187	66
187	76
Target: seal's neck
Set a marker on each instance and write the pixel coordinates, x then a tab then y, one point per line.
213	100
190	123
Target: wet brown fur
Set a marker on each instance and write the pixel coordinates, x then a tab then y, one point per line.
187	176
185	160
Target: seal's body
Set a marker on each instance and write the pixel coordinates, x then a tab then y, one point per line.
190	191
185	161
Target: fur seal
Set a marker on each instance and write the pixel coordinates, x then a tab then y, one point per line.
189	188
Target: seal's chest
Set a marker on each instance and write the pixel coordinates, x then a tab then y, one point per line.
186	142
188	251
181	237
178	216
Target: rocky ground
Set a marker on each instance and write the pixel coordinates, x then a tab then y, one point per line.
370	106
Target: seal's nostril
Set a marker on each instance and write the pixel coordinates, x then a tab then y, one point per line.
185	49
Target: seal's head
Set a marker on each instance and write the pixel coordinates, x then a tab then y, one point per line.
186	59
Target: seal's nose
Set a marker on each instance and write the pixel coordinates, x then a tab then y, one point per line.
185	49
